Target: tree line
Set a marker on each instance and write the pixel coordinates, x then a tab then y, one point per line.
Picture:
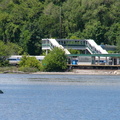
26	22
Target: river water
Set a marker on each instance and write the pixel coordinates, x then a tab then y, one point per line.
59	97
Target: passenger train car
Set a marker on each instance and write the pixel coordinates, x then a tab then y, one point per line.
15	59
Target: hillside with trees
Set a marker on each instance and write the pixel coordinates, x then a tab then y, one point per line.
26	22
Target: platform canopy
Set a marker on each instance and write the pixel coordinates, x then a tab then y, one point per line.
94	55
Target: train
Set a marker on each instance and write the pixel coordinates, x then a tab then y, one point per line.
15	59
81	60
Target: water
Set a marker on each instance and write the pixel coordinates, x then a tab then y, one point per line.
59	97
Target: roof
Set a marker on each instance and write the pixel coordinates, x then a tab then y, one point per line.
95	55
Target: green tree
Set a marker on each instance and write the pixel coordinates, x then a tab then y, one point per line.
56	60
26	22
52	15
113	33
4	53
3	28
118	43
94	30
28	13
29	64
7	50
20	24
73	51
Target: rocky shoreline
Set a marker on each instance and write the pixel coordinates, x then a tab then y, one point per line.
98	72
85	72
74	71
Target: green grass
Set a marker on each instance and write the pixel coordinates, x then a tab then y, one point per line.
10	68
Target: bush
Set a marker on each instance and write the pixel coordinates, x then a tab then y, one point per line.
56	60
28	69
7	50
73	51
28	63
4	63
10	68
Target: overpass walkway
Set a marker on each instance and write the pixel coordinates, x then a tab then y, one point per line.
65	44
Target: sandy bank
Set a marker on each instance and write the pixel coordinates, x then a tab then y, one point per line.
85	72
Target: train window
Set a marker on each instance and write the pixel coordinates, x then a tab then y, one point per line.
14	59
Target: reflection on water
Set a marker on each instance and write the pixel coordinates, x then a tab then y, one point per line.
59	79
59	97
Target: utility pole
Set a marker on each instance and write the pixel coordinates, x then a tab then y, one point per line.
60	23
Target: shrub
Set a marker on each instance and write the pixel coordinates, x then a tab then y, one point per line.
7	50
4	63
28	69
28	63
73	51
56	60
10	68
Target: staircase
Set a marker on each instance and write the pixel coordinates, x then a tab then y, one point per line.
93	48
51	43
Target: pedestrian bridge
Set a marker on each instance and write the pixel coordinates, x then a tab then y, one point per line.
66	44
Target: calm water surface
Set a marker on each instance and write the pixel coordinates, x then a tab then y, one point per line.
59	97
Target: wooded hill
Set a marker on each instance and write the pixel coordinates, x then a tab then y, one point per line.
26	22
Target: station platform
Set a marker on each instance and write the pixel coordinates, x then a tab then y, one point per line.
94	66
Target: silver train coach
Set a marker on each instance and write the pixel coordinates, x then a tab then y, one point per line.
15	59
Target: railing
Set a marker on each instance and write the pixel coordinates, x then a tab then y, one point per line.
65	42
91	48
94	48
47	45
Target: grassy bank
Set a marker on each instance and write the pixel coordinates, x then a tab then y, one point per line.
8	69
15	69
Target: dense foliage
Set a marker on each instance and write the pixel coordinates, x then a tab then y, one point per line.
6	50
56	61
30	64
26	22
